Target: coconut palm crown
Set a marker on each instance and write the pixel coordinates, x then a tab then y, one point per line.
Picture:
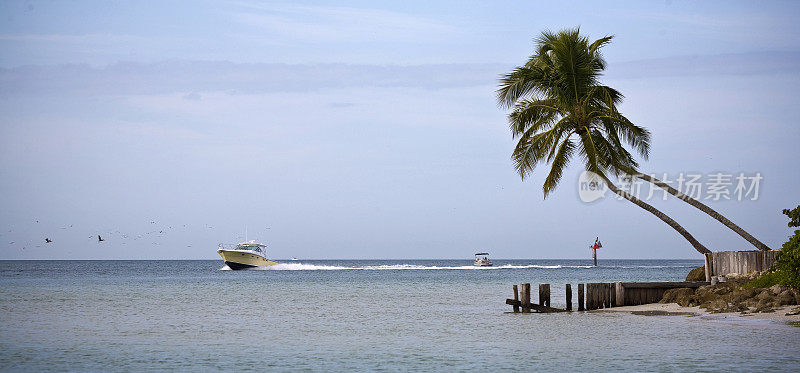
560	109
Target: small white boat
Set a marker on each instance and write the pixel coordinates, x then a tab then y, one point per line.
294	259
245	255
482	260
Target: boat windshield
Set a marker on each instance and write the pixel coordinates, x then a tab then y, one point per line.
249	247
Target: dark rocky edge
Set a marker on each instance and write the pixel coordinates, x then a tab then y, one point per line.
733	296
697	274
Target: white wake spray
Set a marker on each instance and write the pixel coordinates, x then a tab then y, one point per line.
318	267
297	266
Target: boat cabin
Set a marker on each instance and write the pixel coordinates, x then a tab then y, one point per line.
252	246
482	259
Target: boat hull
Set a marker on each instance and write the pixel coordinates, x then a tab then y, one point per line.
243	260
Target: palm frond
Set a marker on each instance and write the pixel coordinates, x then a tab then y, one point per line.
589	152
536	114
531	149
515	85
557	166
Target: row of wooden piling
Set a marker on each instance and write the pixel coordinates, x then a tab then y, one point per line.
598	295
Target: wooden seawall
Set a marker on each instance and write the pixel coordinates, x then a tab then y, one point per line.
598	295
722	263
636	293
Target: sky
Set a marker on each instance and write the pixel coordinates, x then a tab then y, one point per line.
363	129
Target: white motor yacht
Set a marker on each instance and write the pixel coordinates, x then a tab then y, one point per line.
245	255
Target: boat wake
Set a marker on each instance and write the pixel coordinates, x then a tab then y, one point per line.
317	267
297	266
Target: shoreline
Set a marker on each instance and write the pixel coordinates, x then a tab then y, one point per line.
674	309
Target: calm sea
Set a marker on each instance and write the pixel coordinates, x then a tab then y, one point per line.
355	315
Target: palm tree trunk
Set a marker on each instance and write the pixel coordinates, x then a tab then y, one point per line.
672	223
708	210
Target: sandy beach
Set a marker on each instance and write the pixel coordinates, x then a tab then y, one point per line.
673	309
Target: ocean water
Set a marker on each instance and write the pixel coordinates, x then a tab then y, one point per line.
325	315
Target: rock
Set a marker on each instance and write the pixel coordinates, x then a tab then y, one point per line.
765	295
697	274
776	289
743	295
717	306
764	306
683	296
714	280
722	278
786	298
721	289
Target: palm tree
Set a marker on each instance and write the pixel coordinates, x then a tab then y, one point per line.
560	109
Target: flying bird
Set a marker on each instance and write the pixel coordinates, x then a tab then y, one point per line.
47	240
100	239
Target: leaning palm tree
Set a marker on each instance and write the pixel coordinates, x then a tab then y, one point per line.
508	100
560	109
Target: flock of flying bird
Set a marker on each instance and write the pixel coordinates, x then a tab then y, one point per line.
117	235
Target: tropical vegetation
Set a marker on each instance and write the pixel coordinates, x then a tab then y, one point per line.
786	270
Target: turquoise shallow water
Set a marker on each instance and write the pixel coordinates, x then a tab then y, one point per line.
354	315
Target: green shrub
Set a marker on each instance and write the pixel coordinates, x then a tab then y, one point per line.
794	216
787	264
786	270
764	281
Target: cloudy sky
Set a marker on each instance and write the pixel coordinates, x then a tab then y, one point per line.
359	129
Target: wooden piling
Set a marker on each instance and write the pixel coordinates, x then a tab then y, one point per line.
516	297
595	297
541	294
601	296
619	295
544	295
525	297
612	295
580	297
598	291
589	296
708	268
569	297
598	296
